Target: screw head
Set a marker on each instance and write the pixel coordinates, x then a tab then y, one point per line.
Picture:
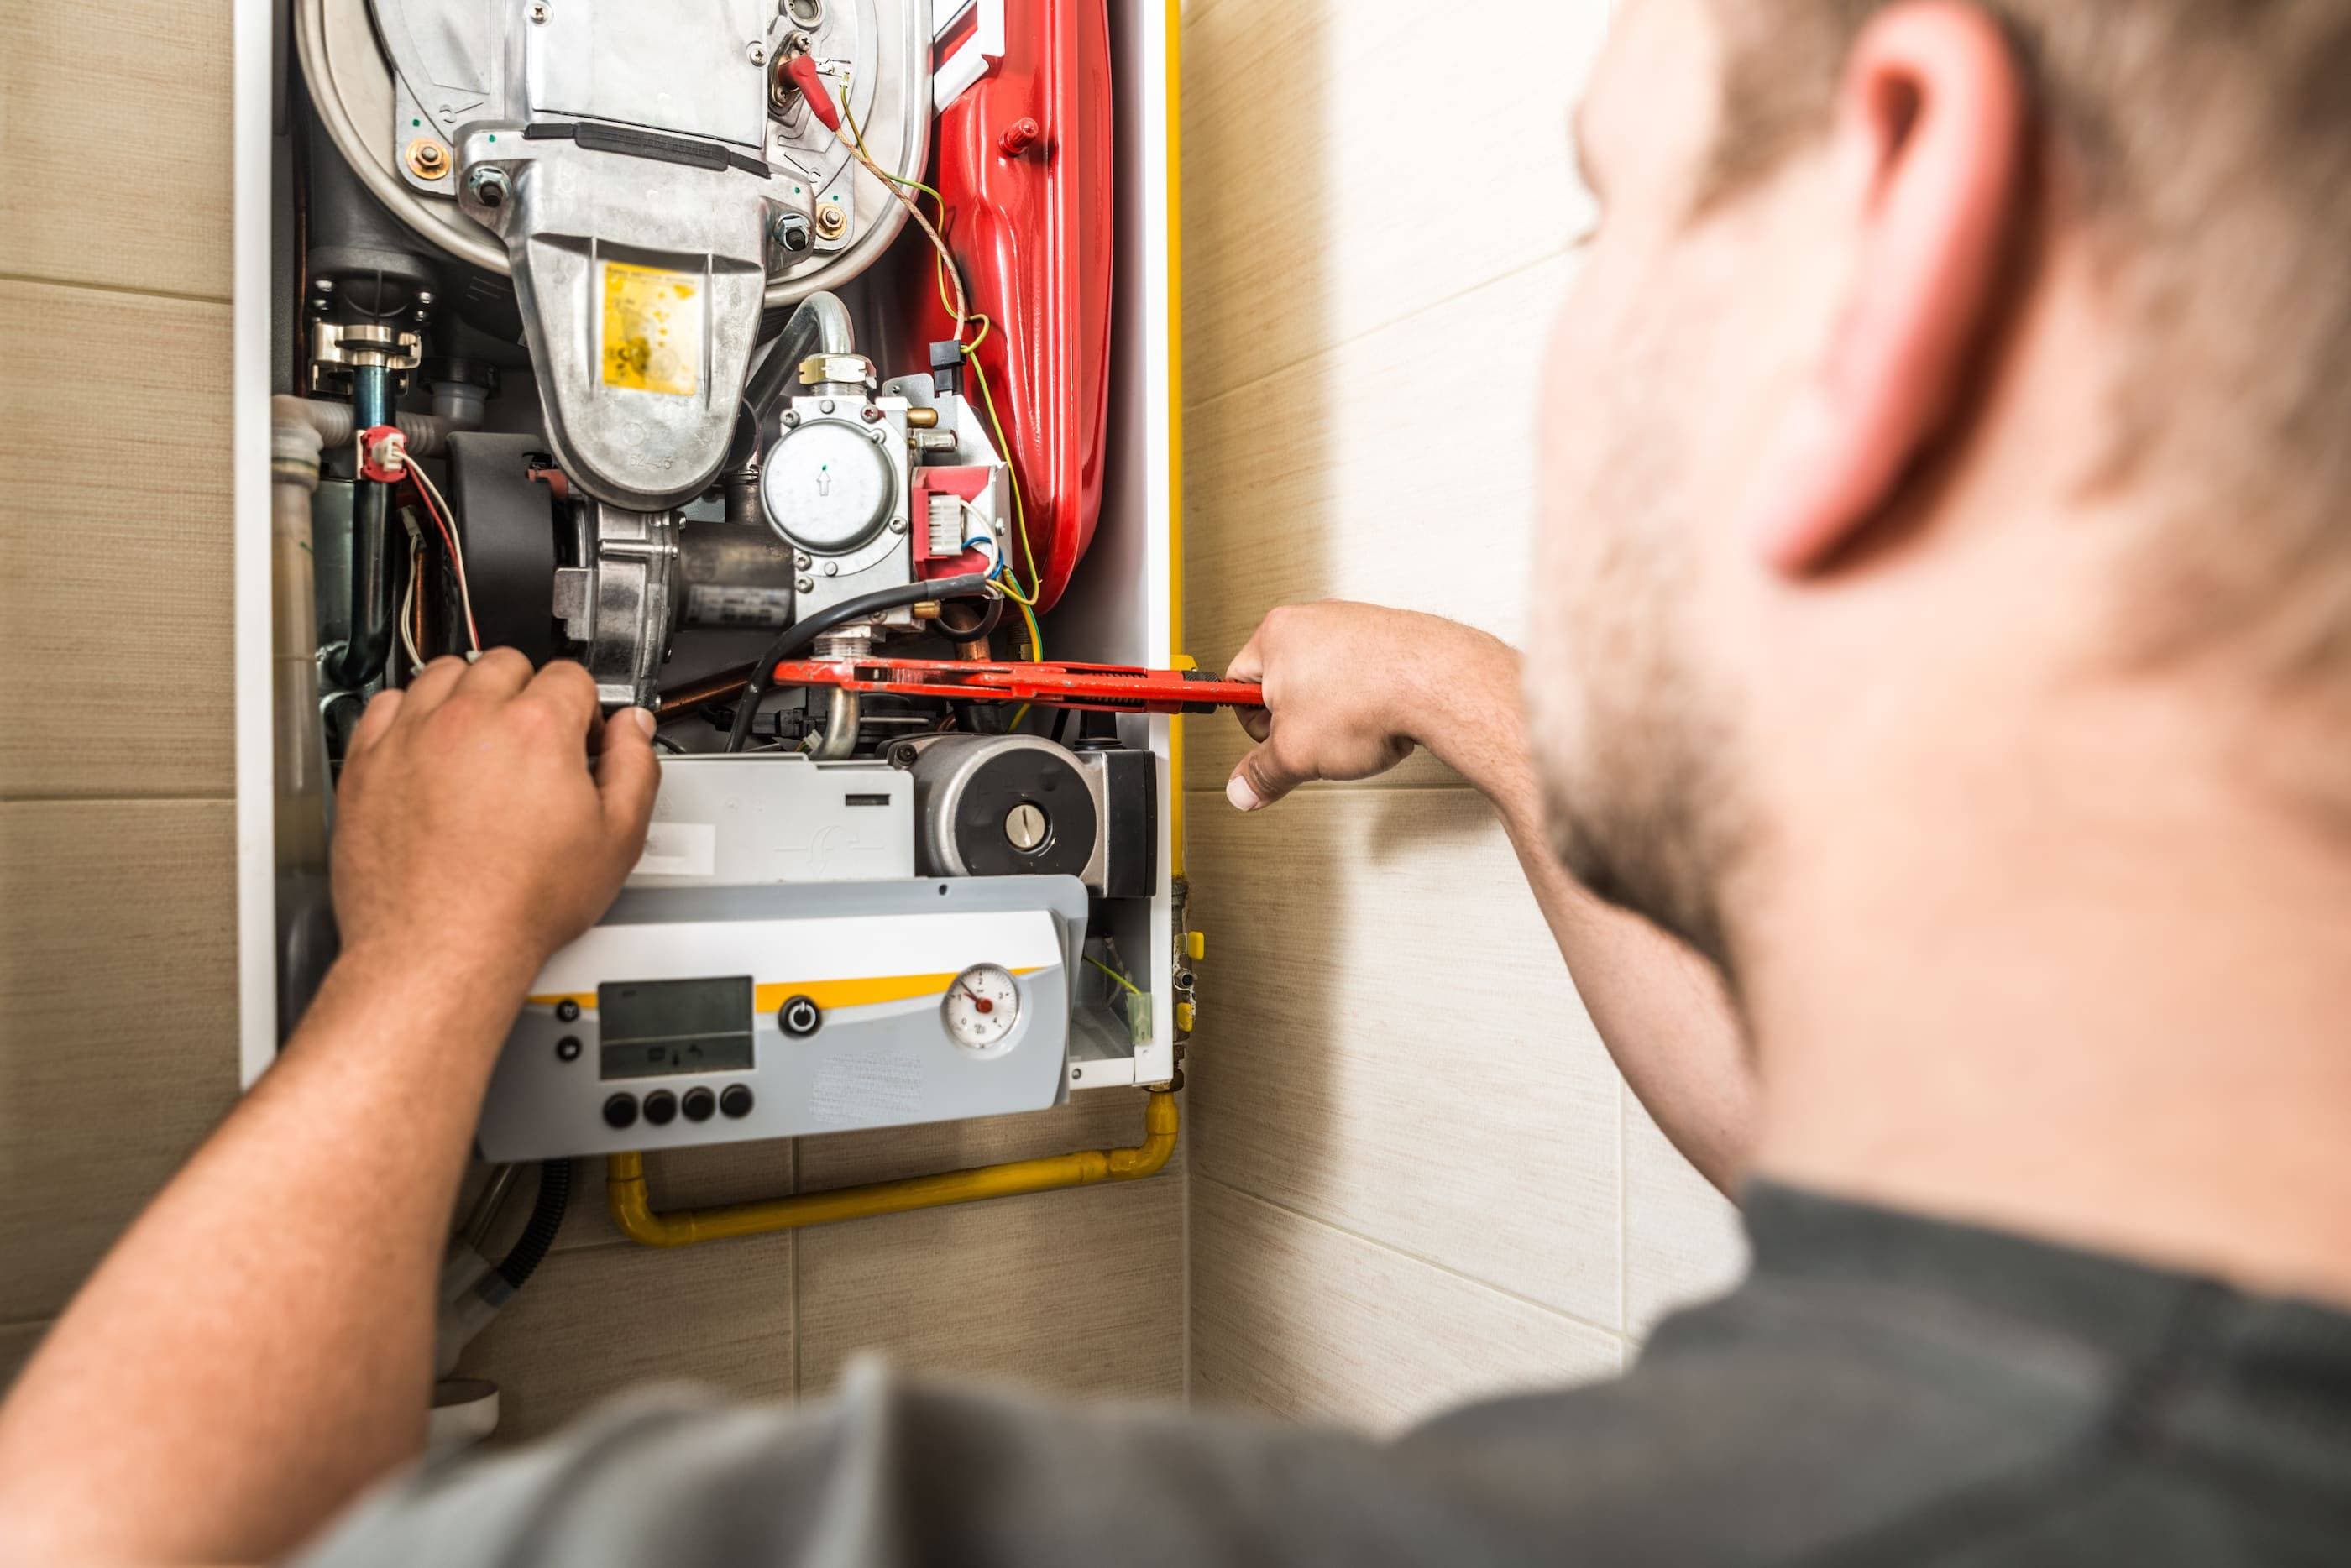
800	559
898	525
537	11
824	405
880	437
756	51
324	286
872	416
832	568
424	297
832	221
805	584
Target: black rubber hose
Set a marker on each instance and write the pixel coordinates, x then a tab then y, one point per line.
989	618
795	638
546	1220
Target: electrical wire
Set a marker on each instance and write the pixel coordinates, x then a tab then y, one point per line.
408	599
1132	989
442	511
949	270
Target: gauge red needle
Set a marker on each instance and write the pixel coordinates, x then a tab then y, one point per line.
984	1006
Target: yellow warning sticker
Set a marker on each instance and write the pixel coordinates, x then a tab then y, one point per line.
652	328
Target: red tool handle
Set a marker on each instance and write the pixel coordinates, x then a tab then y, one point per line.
1105	688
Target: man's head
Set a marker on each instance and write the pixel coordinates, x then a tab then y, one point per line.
1953	394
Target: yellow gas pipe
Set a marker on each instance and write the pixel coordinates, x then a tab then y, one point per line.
633	1210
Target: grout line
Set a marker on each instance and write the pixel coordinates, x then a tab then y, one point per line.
36	279
1468	1279
1323	350
41	799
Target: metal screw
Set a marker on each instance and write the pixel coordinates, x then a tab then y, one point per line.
831	220
876	618
537	11
880	437
800	559
791	417
1024	826
872	416
898	525
424	297
832	568
324	285
824	406
488	186
756	51
424	316
1076	1073
805	584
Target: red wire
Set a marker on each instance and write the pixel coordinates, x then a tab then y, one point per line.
448	542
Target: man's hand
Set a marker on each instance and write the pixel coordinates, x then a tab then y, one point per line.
1351	689
467	820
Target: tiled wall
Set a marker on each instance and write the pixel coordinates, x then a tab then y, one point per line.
118	997
1415	1176
118	1008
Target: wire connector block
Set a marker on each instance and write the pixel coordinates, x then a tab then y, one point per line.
384	454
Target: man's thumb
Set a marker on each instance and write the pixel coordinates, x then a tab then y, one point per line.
1260	780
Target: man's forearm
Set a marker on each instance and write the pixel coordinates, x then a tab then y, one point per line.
1660	1008
260	1345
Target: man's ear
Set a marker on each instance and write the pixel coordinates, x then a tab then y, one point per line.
1929	152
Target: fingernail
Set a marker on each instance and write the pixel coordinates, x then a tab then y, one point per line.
1243	797
645	721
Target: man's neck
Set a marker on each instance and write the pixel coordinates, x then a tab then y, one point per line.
2134	1037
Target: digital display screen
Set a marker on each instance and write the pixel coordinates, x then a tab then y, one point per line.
651	1028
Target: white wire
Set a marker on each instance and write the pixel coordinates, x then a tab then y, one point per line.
456	551
407	610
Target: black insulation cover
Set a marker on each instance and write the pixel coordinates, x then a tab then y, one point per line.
509	524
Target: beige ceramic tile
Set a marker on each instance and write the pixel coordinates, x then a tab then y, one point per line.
1329	190
1077	1293
1292	1317
1357	476
1389	1041
1683	1241
596	1321
1100	1118
114	537
117	1021
115	137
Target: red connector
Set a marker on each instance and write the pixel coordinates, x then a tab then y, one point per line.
384	454
801	71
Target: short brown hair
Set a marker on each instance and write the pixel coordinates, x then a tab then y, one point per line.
2205	146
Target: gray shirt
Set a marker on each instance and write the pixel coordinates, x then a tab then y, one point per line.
1883	1389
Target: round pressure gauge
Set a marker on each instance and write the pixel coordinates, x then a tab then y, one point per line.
981	1008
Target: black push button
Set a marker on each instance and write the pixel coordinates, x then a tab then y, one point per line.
736	1101
661	1108
699	1104
567	1048
567	1012
620	1111
798	1017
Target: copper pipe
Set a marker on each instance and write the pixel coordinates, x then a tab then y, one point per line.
710	688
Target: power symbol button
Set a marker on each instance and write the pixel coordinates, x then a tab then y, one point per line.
800	1018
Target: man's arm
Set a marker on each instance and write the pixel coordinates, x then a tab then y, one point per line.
1351	690
258	1346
